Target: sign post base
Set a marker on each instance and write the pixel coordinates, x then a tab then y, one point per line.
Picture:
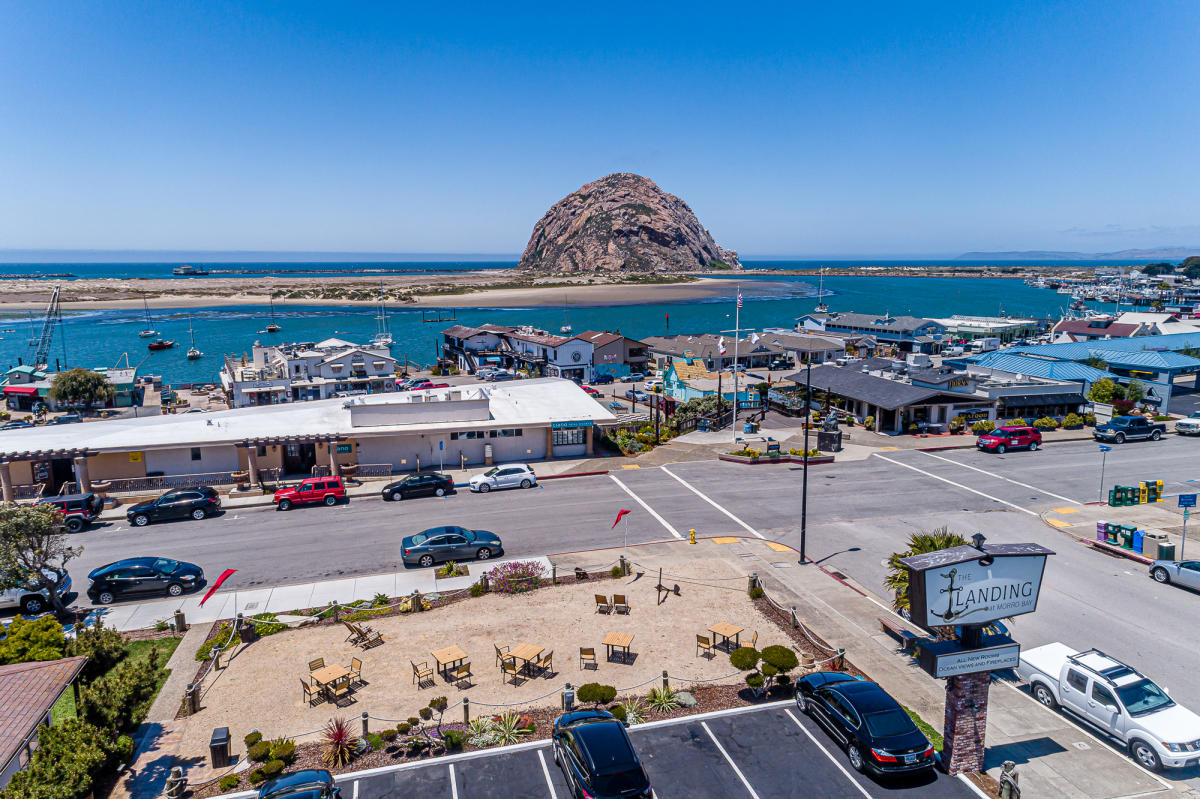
966	722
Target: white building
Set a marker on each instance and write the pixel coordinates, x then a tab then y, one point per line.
294	372
556	356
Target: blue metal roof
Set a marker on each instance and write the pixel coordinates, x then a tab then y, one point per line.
1170	343
1147	358
1041	367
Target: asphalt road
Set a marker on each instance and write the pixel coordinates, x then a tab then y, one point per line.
858	514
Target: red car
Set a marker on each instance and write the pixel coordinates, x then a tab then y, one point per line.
329	490
591	391
1003	439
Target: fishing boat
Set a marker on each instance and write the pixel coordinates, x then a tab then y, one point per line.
188	271
193	354
160	344
566	329
382	338
821	306
271	326
149	331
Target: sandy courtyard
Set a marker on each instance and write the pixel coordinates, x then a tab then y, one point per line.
260	687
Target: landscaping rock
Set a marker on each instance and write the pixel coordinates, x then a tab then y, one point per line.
685	699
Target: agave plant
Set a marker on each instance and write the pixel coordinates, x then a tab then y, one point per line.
635	711
662	699
340	743
507	728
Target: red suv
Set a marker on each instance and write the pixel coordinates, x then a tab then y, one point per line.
1003	439
311	491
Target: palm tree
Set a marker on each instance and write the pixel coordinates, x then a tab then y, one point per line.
919	544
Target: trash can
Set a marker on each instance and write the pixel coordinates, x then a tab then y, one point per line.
1150	542
1166	550
1101	531
218	747
1138	538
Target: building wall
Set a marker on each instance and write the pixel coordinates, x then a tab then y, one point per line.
179	461
402	451
114	465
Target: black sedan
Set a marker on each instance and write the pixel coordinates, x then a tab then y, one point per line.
876	732
433	484
307	784
185	503
449	543
596	756
134	578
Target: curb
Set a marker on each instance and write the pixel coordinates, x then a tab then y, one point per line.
1119	551
573	474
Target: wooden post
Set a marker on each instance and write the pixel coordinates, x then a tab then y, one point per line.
795	621
466	710
364	722
335	612
553	573
753	581
666	682
624	566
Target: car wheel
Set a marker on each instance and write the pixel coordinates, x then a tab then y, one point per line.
1160	575
1033	445
74	525
426	560
483	554
174	589
1155	435
525	484
856	758
802	704
390	497
198	514
1042	694
330	500
33	605
105	598
285	504
441	492
1119	438
1145	755
141	520
484	488
1000	449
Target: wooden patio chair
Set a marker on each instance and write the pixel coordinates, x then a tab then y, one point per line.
704	644
313	665
311	695
339	691
754	640
502	654
355	635
355	671
602	603
587	654
545	664
509	668
619	604
421	673
373	638
462	674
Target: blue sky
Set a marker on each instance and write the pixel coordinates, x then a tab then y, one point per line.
794	129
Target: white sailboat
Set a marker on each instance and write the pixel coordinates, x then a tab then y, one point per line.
566	329
193	354
382	338
271	326
149	331
821	306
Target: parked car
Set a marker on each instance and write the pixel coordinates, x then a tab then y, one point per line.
413	383
329	490
449	543
1189	426
1180	572
874	729
78	510
30	599
185	503
634	377
306	784
603	380
510	475
596	756
1003	439
431	484
137	577
653	385
636	395
500	375
1117	699
67	418
778	364
16	424
591	392
1129	428
483	372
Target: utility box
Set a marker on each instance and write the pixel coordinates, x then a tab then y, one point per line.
1101	531
1166	550
1150	542
218	747
1127	531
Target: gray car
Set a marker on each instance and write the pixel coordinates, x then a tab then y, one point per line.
439	544
1181	572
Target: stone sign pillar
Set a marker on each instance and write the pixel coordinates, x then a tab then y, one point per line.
334	470
81	475
591	450
6	484
966	722
252	466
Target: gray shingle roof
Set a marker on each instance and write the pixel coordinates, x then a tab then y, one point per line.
851	382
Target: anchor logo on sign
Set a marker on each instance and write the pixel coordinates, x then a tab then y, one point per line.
952	606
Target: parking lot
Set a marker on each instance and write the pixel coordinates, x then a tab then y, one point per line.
772	751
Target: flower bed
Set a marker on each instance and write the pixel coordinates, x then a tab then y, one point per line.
813	460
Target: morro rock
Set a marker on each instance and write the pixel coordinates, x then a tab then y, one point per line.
623	223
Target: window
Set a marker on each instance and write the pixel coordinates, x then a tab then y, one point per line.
1076	681
467	435
568	437
505	433
262	450
1103	696
195	453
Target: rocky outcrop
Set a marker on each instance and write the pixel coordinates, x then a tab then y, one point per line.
623	223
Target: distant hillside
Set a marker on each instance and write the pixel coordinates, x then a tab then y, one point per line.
1156	254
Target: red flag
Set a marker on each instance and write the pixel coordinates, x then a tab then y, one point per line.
620	515
225	575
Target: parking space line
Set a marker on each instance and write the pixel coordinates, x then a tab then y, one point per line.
545	773
975	789
702	496
646	507
956	485
832	759
1002	477
729	760
354	793
454	783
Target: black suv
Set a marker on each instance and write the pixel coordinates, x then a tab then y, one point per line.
78	510
307	784
876	732
596	756
431	484
184	503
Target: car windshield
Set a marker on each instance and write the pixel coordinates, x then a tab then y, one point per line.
165	565
615	784
491	472
467	534
1143	697
887	723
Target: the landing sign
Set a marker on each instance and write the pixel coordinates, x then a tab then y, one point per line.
969	585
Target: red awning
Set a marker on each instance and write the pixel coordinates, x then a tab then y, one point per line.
27	390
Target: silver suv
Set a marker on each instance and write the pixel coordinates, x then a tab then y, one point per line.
31	600
510	475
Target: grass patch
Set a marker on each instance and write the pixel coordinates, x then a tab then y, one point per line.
933	735
65	707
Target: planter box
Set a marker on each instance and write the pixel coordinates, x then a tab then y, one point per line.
813	460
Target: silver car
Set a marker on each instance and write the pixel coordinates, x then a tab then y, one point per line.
1182	572
510	475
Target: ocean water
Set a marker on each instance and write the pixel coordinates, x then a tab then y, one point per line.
109	337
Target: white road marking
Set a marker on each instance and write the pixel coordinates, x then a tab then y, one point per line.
729	760
646	507
697	492
354	793
1006	479
454	782
832	759
975	788
956	485
545	771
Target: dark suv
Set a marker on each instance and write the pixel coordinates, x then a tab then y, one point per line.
431	484
78	510
184	503
308	784
596	756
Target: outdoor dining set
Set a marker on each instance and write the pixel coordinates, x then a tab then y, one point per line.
725	637
333	683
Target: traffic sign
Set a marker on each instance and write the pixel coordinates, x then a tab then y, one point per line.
1187	500
1105	449
441	445
1187	514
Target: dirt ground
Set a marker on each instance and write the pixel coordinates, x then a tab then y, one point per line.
260	687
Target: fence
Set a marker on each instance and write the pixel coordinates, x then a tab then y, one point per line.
161	482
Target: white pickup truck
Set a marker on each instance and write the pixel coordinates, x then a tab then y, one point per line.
1115	699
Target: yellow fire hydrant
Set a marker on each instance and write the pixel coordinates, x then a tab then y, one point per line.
691	536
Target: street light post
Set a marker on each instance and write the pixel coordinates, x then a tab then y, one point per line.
804	485
1103	457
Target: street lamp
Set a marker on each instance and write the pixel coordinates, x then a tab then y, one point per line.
804	488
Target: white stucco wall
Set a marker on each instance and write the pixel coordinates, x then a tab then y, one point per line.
179	461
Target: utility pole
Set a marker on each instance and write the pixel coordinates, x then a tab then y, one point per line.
736	332
804	487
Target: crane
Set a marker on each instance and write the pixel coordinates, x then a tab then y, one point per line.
41	356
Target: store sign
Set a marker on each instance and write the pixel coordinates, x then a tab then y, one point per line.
135	457
949	659
570	425
345	449
970	585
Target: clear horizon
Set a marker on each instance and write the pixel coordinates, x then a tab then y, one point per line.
873	131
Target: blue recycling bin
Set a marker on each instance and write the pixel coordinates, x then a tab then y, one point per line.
1138	535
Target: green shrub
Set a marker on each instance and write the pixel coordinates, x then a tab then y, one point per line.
1161	418
257	777
103	646
618	712
477	589
957	423
381	599
374	740
744	658
1046	423
983	427
869	423
283	749
253	738
1089	419
265	624
756	592
1073	420
403	727
596	693
454	739
224	639
1018	422
755	680
260	752
273	768
662	699
120	699
389	734
366	614
413	721
69	757
123	750
27	641
615	573
425	713
229	782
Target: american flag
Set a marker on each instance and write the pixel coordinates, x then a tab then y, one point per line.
739	299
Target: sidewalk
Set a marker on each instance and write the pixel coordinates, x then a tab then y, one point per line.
1157	517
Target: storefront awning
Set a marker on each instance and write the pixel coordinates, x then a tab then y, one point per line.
28	391
1042	400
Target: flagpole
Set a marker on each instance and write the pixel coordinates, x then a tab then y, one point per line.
737	326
